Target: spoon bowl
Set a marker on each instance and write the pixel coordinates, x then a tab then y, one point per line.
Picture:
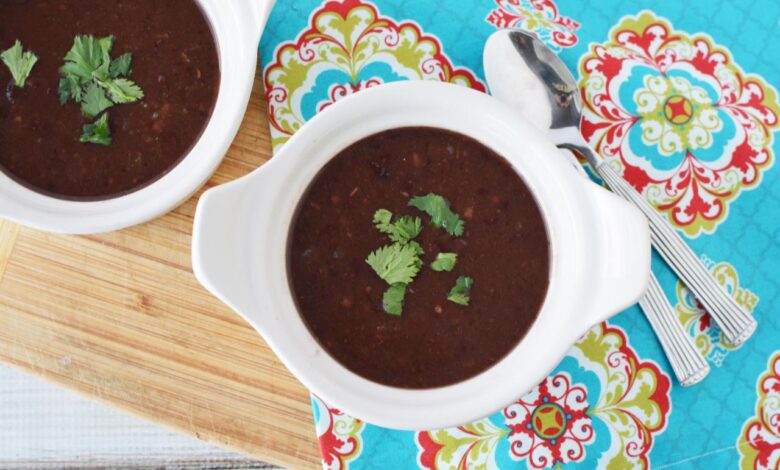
549	89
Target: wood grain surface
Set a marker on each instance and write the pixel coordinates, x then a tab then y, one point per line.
119	317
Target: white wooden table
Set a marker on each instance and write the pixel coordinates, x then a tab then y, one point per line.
43	427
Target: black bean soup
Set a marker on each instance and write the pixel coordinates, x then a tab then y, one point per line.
174	62
439	338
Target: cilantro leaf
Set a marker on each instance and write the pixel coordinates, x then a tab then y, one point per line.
88	58
405	229
121	66
89	61
122	90
106	44
393	299
459	294
18	62
97	132
441	214
395	263
93	80
444	262
417	248
70	89
382	219
402	230
94	100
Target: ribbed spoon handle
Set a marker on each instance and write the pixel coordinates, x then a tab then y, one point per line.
688	364
736	323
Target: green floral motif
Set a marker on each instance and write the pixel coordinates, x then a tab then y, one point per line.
759	441
678	118
603	403
349	47
676	115
635	400
339	435
707	336
471	446
538	17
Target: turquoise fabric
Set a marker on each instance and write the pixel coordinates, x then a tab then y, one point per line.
694	113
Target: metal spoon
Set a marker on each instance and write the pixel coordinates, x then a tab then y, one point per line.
688	365
522	69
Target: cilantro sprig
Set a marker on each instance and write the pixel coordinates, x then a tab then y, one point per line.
399	262
395	263
19	62
441	214
459	293
403	230
97	132
94	100
93	80
393	299
444	262
121	66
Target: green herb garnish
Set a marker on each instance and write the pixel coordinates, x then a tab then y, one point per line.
98	132
418	249
395	263
94	100
18	62
460	292
393	299
382	219
122	90
91	79
402	230
88	58
441	214
121	66
444	262
399	263
70	88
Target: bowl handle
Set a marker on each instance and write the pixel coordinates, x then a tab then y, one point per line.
216	242
620	268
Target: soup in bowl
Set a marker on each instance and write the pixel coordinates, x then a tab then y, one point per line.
114	113
499	246
418	255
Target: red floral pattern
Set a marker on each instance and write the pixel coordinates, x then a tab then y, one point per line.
550	425
678	117
339	436
539	17
349	46
603	402
759	442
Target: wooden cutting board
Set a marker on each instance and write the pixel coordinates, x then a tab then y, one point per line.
121	319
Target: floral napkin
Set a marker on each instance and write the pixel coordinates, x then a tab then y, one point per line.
681	97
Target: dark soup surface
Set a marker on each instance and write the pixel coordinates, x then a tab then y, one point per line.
418	303
173	62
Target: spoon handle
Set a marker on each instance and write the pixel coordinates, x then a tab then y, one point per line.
736	323
688	365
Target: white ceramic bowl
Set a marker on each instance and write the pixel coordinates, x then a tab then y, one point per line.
236	25
600	248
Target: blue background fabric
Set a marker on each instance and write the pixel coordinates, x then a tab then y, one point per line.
729	419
